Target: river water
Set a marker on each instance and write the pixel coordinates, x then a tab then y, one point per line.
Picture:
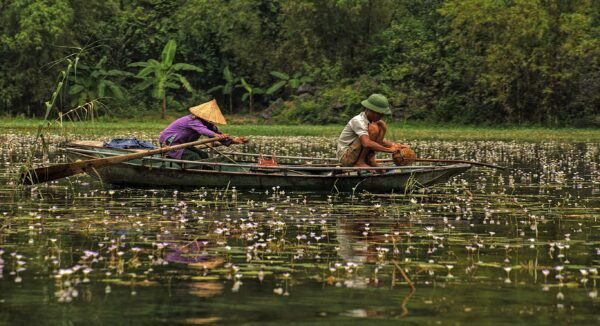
519	246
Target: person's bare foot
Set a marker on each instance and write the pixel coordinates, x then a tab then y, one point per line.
364	165
372	162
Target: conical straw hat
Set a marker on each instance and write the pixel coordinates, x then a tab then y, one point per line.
210	112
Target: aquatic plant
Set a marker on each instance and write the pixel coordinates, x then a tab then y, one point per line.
526	231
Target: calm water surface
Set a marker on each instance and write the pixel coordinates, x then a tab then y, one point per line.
517	246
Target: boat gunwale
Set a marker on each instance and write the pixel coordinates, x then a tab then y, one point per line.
286	167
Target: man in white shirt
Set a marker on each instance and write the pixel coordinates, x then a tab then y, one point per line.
364	135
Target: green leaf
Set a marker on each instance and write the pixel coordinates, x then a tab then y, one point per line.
139	64
227	74
145	84
168	53
280	75
246	85
117	73
75	89
101	88
115	90
231	83
75	65
172	85
101	62
186	66
214	89
294	83
83	97
147	71
277	86
185	83
306	79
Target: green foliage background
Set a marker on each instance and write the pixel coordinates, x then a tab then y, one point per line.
534	62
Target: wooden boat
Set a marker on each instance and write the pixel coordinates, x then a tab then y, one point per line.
223	171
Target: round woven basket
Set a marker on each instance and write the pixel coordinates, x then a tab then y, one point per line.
403	157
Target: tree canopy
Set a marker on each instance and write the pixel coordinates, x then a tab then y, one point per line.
311	61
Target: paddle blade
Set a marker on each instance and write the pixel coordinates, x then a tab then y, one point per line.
49	173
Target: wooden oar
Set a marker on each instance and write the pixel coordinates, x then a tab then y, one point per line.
49	173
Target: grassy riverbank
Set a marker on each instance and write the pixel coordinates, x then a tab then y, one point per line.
246	127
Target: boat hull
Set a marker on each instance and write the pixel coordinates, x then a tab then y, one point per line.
155	173
140	176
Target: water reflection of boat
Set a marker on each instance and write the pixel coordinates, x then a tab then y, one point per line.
222	171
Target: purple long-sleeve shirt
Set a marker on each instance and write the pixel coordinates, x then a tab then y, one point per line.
187	129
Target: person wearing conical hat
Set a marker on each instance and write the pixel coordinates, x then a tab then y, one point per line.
364	134
202	121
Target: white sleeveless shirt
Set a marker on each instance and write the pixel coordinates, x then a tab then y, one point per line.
356	127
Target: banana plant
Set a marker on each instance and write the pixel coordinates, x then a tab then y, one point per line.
93	82
250	92
285	80
227	88
163	75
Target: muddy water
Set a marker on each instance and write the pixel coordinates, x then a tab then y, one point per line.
515	246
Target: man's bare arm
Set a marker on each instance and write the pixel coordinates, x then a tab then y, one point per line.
366	142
